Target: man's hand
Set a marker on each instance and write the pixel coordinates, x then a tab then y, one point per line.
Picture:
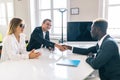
60	47
67	47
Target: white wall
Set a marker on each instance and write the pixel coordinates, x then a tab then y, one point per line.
88	10
22	10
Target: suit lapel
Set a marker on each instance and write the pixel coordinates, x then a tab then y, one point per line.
104	40
41	32
99	48
47	35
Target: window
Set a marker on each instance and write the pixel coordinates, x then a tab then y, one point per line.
2	14
6	12
112	12
50	9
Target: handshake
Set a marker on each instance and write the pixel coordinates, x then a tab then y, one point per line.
63	47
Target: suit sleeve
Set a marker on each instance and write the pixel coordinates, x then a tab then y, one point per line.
106	52
38	37
84	51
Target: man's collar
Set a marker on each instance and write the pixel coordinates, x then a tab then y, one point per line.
101	40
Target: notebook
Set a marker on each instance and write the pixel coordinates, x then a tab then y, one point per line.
68	62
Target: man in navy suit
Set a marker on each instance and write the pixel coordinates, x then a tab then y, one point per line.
107	58
40	37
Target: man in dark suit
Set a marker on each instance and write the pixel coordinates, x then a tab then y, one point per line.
107	58
40	37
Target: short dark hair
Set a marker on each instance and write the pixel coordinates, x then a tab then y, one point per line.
102	24
46	20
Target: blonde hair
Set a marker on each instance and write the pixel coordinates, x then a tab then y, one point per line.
13	25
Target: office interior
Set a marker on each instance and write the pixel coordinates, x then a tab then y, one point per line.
33	12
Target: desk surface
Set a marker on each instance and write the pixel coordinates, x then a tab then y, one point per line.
45	68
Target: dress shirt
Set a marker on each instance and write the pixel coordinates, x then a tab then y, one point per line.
99	44
101	40
14	50
44	33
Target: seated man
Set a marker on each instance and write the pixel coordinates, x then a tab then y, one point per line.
40	37
107	58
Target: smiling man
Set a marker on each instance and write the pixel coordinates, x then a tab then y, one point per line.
40	37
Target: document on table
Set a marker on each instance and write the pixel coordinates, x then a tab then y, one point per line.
68	62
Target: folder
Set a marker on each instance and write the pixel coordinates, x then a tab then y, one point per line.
68	62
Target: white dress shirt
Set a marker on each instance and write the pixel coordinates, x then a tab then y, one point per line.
101	40
44	33
14	50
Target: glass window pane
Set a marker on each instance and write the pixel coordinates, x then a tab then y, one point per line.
114	32
57	17
2	10
64	31
59	31
44	4
3	21
32	13
44	15
114	1
9	18
59	4
48	10
10	9
2	14
58	21
113	17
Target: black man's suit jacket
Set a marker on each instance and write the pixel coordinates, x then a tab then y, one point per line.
107	59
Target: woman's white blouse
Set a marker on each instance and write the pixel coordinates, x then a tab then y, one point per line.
14	50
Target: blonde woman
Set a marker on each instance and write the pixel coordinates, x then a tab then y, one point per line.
14	47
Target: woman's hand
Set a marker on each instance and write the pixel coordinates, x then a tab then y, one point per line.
34	54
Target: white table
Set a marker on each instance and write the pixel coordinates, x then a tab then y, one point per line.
45	68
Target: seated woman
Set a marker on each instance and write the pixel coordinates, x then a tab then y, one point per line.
14	47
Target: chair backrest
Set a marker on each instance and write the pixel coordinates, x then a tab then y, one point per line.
0	37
